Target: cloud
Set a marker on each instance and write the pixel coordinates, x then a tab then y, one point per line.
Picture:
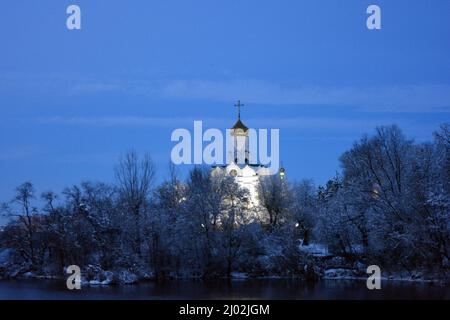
318	123
133	121
91	88
392	98
255	122
400	98
109	121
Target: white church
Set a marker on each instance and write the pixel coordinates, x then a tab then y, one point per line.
247	174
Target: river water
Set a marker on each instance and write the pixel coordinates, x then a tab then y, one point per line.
223	289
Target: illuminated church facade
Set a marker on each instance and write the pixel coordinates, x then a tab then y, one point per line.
246	174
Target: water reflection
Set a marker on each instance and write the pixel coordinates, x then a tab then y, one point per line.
223	289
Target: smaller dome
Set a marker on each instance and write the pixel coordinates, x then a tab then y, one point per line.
217	171
239	125
233	167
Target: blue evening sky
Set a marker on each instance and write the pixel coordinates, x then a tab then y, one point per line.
72	101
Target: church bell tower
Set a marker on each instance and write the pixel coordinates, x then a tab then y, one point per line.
239	134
